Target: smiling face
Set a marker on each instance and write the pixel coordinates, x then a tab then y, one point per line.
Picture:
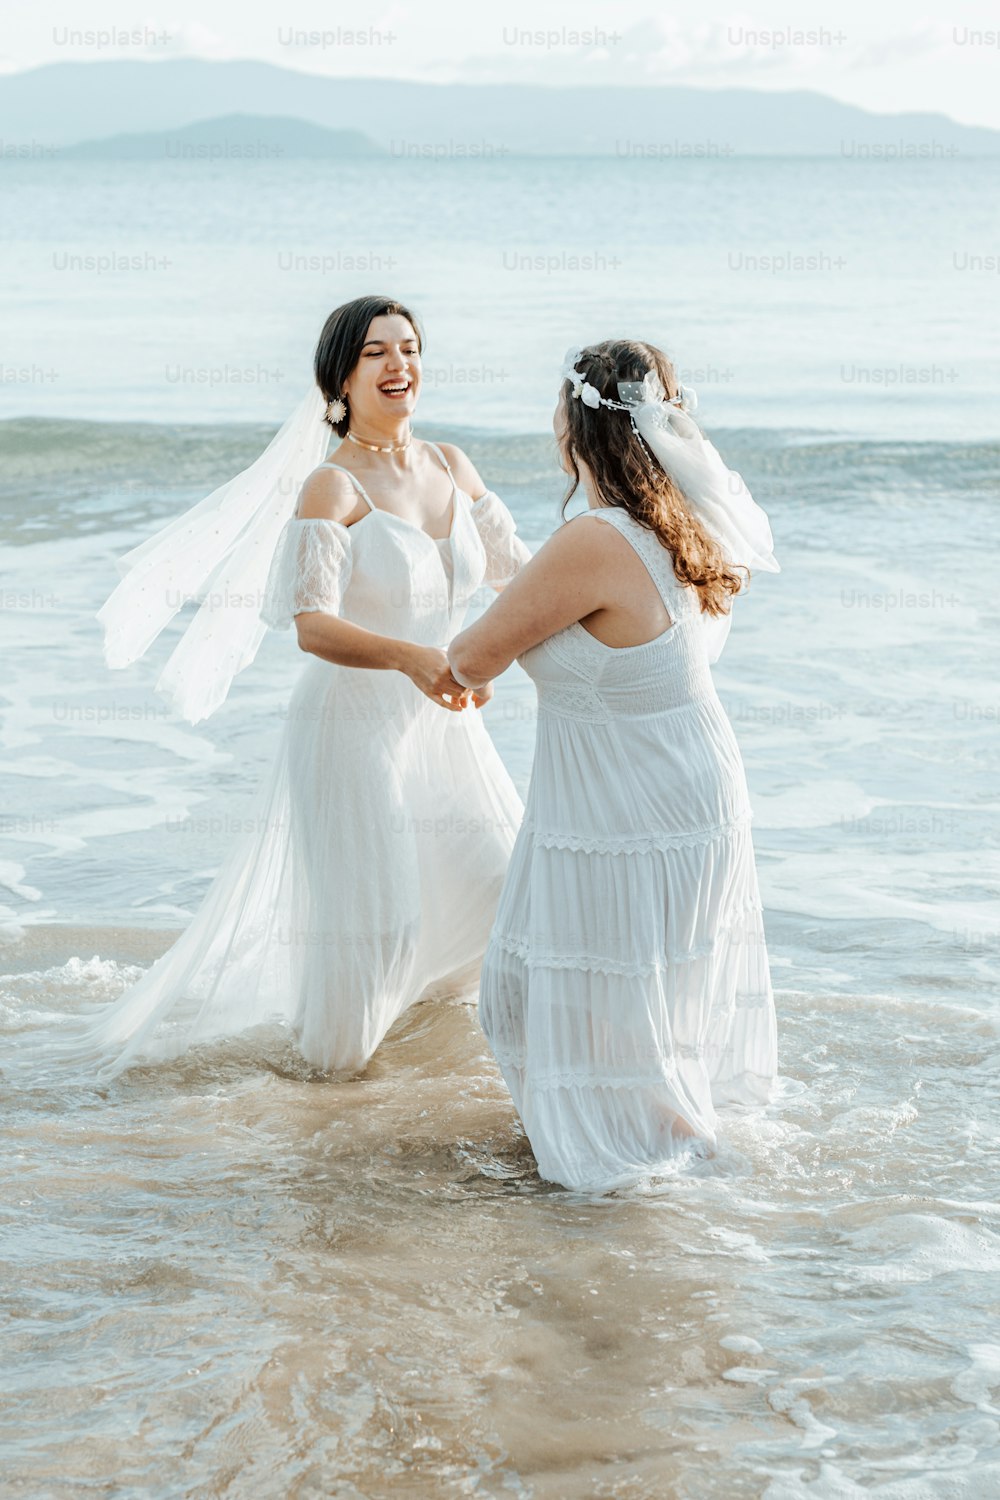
385	383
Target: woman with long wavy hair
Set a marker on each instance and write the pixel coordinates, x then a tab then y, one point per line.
626	991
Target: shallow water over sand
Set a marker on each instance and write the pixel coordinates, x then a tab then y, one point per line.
227	1276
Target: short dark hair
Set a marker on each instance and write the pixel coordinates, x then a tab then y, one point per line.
342	340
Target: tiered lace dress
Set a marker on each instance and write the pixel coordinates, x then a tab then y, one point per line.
626	983
379	840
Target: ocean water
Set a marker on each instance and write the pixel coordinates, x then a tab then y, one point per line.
230	1276
841	294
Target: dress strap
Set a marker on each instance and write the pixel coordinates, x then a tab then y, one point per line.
659	563
435	449
356	482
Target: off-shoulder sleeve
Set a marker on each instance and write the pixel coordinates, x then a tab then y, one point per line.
506	553
310	570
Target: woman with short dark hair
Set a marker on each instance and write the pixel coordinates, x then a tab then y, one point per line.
375	850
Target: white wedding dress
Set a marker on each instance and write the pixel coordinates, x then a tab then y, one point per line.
380	837
626	982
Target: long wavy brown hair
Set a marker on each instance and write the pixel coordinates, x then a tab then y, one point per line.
629	476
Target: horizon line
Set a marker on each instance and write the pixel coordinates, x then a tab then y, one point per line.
376	78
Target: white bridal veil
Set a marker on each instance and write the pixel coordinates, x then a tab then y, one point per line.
716	494
216	554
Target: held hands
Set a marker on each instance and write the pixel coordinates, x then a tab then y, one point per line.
428	669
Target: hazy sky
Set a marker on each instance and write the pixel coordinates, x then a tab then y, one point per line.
882	57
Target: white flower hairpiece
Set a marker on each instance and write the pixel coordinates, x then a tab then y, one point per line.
631	392
582	390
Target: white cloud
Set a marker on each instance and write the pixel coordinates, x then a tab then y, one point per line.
195	40
926	39
734	50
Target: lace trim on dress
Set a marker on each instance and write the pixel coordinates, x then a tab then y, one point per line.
571	700
576	699
505	552
605	682
558	646
310	570
641	843
532	958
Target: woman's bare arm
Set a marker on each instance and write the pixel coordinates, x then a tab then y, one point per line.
566	580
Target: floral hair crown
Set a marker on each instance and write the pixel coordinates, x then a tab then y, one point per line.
631	392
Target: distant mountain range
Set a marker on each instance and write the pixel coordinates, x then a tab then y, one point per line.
232	137
69	103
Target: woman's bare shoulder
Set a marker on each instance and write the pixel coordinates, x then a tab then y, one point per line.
329	495
466	474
